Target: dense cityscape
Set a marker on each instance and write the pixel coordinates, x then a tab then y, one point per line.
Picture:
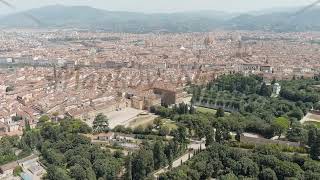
89	104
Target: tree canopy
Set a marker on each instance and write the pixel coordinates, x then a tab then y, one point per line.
100	123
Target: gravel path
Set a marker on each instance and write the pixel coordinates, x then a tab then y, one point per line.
193	145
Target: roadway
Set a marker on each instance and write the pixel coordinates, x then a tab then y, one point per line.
184	158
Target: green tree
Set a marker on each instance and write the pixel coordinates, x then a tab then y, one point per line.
75	157
90	173
317	106
209	136
57	173
314	143
17	171
229	176
27	125
222	134
220	112
50	131
169	155
265	90
297	134
286	169
280	125
158	122
118	154
315	149
238	136
309	175
296	113
312	135
192	110
106	168
75	126
77	172
100	123
142	164
181	135
176	175
53	157
138	130
44	118
311	165
218	135
31	138
128	174
119	128
159	157
164	131
246	167
268	174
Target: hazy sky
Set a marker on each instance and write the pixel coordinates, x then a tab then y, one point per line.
162	5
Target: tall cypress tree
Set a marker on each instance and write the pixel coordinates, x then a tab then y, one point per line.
128	175
220	113
314	143
158	155
265	90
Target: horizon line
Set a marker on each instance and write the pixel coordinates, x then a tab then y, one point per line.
275	9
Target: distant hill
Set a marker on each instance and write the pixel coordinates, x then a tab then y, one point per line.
278	21
197	21
87	17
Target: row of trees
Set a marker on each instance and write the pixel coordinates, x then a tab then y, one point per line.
69	155
237	82
261	122
301	90
8	147
218	130
166	112
258	113
153	156
264	162
251	98
155	129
